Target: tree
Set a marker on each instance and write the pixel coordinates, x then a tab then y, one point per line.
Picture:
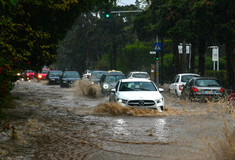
30	31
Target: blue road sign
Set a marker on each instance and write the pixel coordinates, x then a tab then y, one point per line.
157	46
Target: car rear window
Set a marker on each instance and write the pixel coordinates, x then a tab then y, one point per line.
207	83
185	78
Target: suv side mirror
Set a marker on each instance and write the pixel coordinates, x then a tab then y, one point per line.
113	90
161	90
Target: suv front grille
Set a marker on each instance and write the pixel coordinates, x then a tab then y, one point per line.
141	103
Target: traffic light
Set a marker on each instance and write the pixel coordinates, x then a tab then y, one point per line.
157	56
107	14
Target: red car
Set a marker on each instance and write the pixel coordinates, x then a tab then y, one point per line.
29	74
42	75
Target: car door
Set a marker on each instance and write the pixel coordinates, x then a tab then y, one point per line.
113	95
187	88
173	85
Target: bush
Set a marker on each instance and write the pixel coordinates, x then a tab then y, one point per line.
221	75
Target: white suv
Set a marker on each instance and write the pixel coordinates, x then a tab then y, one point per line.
133	75
179	80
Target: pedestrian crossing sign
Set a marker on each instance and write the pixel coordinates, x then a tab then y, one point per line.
157	46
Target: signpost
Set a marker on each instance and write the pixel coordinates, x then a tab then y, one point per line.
215	56
157	47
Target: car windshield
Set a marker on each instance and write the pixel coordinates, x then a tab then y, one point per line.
71	75
30	71
185	78
137	86
45	71
140	75
113	78
97	75
55	73
207	83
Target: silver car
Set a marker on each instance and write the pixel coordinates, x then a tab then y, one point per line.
203	89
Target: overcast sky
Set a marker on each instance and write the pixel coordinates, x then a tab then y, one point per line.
125	2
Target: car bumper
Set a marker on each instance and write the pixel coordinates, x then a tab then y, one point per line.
67	83
158	104
54	81
209	97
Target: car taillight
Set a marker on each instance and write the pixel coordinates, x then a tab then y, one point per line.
180	87
194	89
222	90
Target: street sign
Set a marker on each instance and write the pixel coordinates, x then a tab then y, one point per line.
152	52
215	54
157	46
188	48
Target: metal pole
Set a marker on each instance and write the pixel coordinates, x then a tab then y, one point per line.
157	67
213	65
157	72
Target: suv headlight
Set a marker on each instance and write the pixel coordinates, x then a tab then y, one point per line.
39	76
122	101
160	100
105	86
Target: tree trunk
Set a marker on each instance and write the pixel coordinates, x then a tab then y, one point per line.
230	59
201	62
175	57
183	58
193	51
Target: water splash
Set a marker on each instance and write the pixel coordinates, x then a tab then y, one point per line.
87	88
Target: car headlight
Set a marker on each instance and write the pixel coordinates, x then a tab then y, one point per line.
105	86
159	100
39	76
18	74
122	101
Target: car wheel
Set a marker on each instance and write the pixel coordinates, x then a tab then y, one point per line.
176	94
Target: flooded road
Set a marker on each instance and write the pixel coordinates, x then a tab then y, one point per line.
58	123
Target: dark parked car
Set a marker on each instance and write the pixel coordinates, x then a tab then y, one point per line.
54	77
203	89
68	78
96	75
109	81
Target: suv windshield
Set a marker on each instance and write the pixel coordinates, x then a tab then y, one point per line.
140	75
207	83
113	78
137	86
185	78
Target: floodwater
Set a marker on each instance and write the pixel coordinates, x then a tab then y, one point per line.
79	123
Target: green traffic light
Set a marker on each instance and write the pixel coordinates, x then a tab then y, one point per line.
157	58
107	15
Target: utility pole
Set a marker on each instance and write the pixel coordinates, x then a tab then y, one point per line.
157	66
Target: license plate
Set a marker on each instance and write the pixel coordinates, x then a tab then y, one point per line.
52	79
208	92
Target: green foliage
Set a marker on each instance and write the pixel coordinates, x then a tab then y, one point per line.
168	72
135	57
221	75
29	33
